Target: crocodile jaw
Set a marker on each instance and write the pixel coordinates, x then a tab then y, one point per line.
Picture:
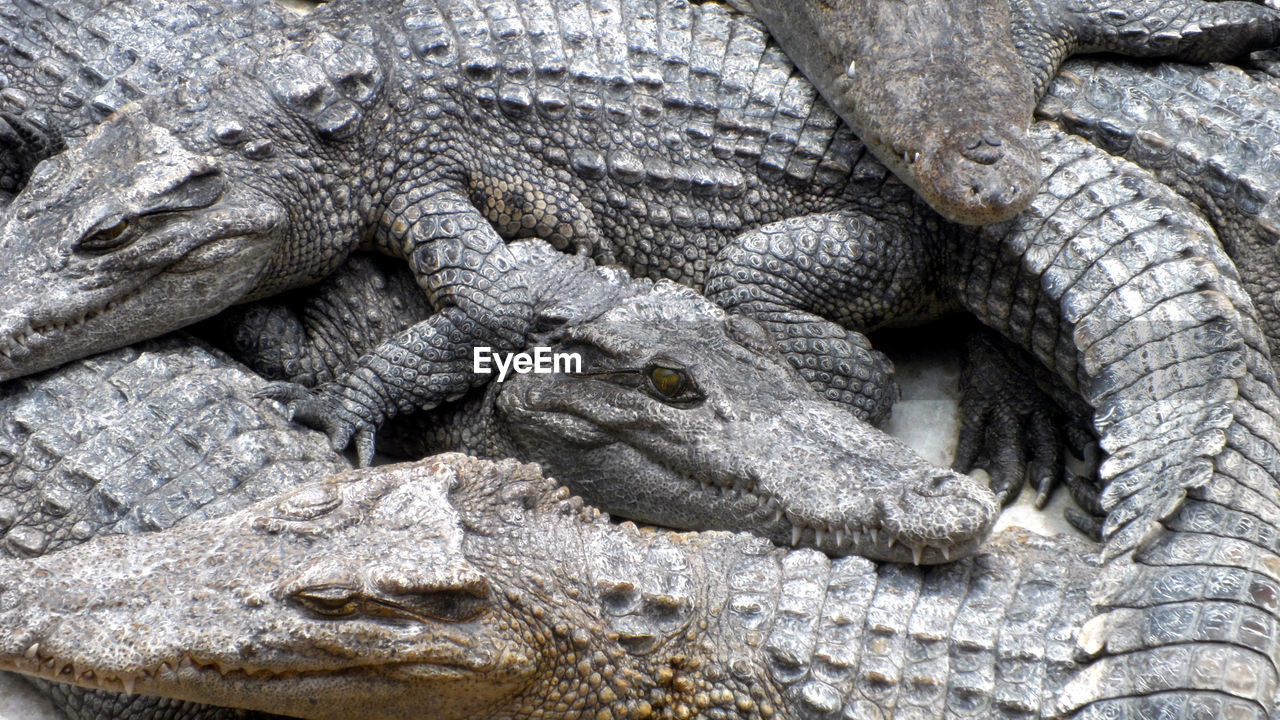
66	326
222	626
123	238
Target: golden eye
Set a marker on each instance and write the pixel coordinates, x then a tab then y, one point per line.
668	382
107	238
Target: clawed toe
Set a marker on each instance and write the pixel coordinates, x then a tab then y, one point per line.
317	409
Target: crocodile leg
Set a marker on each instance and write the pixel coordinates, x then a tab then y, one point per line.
1016	421
792	274
483	298
308	337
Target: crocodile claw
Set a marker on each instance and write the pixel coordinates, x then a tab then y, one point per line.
342	419
1008	427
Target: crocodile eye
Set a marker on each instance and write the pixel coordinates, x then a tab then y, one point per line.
329	600
107	239
667	381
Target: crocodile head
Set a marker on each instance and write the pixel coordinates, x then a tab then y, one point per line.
325	601
935	90
125	237
688	417
447	588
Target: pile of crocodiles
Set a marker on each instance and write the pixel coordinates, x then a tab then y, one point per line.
653	185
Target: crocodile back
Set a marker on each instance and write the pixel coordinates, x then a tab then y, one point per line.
136	440
69	64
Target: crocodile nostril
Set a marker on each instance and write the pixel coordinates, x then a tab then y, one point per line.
992	139
983	154
938	482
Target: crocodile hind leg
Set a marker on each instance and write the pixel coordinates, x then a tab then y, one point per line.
815	281
1017	420
309	336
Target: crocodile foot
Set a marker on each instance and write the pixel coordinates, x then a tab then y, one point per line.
1009	427
332	409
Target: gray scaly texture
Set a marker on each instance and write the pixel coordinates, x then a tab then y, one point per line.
942	90
456	588
1207	132
1155	330
1059	279
137	440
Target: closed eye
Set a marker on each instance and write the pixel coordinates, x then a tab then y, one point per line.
328	600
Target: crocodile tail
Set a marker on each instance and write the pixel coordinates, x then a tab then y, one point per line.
1112	281
1206	131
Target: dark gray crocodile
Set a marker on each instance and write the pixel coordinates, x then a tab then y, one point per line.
1138	321
455	588
134	440
942	90
738	442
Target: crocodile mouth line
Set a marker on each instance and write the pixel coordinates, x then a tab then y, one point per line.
13	344
826	535
141	679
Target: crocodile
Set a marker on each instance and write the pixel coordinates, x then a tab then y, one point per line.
942	91
1139	322
454	587
134	440
656	426
254	243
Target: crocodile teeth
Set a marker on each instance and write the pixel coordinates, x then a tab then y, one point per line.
795	534
819	534
917	553
128	683
32	651
892	542
946	553
777	515
856	536
875	536
840	537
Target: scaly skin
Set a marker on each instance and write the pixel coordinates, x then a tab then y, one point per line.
745	445
294	175
107	55
459	588
1207	132
942	90
136	441
1188	306
1059	280
133	441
